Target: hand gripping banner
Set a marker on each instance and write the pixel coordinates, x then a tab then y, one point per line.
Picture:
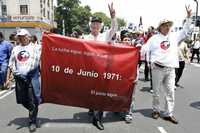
87	74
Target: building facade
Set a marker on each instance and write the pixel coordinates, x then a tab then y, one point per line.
34	15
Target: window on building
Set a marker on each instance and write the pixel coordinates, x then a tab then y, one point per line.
52	17
44	12
23	1
52	5
48	3
41	12
4	10
24	9
48	15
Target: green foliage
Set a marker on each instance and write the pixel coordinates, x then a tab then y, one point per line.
77	17
121	22
73	14
106	20
82	17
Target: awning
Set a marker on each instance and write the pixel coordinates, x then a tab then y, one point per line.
41	25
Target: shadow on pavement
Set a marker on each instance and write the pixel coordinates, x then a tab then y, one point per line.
143	80
146	89
21	122
112	117
81	117
195	105
144	112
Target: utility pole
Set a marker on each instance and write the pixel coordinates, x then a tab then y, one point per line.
196	17
63	21
63	27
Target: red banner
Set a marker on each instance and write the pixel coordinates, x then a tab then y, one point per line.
87	74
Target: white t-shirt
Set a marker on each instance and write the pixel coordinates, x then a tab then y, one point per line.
100	37
164	49
196	45
25	58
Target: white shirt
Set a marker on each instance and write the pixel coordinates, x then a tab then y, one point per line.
25	58
196	45
164	49
183	51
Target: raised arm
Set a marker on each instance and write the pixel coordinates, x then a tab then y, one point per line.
189	11
111	10
187	29
114	24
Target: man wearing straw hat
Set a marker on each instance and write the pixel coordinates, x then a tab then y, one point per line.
162	49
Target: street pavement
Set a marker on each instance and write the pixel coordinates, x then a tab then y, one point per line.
63	119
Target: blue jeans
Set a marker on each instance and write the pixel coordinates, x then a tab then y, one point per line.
3	73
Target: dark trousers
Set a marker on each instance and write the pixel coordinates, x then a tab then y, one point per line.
98	115
3	73
195	52
179	71
151	82
25	96
146	69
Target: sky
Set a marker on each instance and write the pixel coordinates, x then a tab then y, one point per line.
55	2
152	11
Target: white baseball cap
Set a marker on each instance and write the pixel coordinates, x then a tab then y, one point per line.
22	32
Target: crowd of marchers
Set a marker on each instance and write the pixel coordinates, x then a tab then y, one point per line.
164	54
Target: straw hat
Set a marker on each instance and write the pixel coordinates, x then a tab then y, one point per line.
164	21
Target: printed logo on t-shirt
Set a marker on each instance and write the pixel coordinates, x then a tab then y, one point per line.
23	56
164	45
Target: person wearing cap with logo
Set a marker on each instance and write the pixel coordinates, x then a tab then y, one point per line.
5	51
95	28
24	64
162	49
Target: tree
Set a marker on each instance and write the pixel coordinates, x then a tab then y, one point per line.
73	15
64	12
77	17
121	22
82	17
106	20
